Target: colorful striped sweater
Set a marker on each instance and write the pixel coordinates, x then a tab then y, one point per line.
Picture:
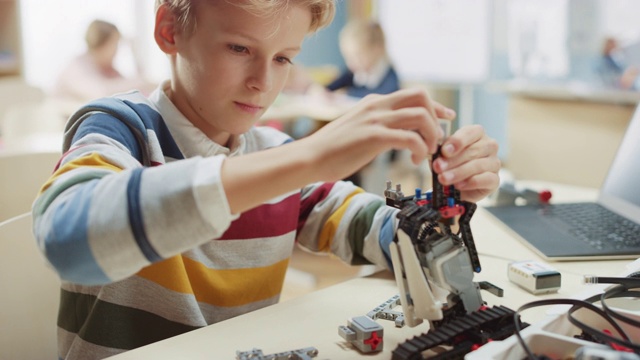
146	252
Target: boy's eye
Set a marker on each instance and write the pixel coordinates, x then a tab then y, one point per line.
237	48
283	60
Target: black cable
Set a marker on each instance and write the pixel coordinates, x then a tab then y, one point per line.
622	290
610	294
577	304
598	334
632	281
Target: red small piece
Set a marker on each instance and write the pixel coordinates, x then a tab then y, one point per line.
422	202
475	347
451	211
614	346
544	196
373	341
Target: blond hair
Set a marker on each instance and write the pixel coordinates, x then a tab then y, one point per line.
322	11
364	32
98	33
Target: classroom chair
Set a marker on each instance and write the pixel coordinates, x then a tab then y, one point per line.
21	176
29	297
15	91
32	126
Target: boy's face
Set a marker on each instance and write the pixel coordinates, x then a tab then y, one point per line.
358	57
106	53
232	67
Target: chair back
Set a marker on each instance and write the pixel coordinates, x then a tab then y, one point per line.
29	297
22	174
14	91
35	126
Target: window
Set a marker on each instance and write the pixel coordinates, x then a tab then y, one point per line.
51	41
438	40
537	38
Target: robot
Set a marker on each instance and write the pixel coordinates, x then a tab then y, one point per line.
434	260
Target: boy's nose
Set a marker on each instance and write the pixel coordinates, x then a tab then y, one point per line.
261	77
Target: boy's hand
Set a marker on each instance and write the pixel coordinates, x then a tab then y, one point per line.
405	119
470	162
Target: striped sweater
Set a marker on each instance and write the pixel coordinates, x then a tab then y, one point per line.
135	221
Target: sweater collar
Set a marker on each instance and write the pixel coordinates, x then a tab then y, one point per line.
190	140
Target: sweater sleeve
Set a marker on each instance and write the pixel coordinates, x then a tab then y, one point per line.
343	219
102	216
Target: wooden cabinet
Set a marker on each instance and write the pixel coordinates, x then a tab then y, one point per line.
568	141
10	38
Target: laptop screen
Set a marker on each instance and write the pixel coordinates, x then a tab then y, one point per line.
621	190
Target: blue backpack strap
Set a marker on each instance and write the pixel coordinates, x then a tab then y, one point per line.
119	110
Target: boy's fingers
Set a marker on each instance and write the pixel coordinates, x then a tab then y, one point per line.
469	169
414	119
485	181
461	139
443	112
484	148
403	139
404	98
411	109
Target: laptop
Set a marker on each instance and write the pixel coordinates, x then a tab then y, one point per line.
608	228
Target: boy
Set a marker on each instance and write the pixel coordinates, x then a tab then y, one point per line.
369	70
149	252
93	74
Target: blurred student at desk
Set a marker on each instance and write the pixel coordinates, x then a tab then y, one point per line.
614	68
369	70
92	74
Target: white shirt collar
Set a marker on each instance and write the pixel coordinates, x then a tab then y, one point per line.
190	140
373	79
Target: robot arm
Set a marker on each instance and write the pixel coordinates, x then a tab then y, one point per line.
433	265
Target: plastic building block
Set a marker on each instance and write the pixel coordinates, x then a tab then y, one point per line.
256	354
385	311
364	333
507	195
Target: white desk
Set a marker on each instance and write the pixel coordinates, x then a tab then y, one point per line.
313	320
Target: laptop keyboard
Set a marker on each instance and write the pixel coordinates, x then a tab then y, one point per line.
597	226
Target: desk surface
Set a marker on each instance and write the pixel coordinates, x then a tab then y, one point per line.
313	319
579	91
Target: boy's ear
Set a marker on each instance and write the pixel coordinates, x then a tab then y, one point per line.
165	30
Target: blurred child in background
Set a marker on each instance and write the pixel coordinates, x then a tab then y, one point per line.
92	74
369	70
614	69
